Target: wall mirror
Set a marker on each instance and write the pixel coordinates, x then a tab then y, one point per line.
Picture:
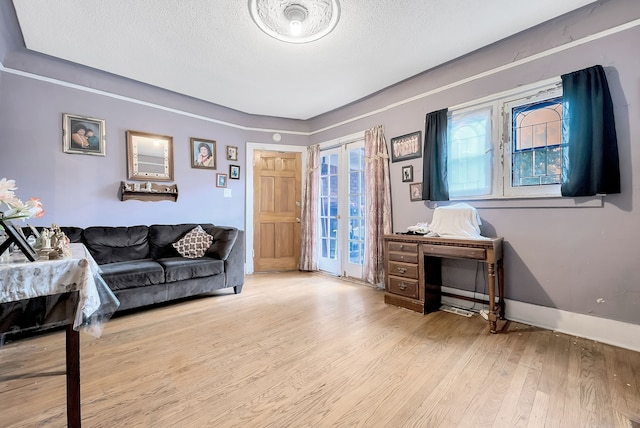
149	156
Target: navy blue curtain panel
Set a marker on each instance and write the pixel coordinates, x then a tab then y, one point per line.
434	168
590	165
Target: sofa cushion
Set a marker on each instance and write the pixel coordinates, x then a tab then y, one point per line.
223	240
117	244
180	268
194	244
162	236
138	273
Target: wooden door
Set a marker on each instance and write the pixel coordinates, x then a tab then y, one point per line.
276	217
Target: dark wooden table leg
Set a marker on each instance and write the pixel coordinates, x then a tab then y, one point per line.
501	288
73	377
491	274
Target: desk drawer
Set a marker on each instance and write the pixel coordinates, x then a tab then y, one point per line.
403	269
456	252
403	286
403	257
403	247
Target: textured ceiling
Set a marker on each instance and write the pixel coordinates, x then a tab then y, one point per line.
212	49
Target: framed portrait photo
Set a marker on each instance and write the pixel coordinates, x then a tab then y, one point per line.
415	191
83	135
407	174
221	180
407	146
203	153
234	172
232	153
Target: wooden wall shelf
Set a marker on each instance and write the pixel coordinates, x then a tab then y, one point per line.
148	191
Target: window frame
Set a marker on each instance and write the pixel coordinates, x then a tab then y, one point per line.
501	139
508	190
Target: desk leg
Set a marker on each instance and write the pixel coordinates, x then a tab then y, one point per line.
73	377
491	276
501	288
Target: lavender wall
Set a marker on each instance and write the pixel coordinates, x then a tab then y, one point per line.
82	190
581	260
565	258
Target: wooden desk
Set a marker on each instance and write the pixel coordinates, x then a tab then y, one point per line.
415	283
82	301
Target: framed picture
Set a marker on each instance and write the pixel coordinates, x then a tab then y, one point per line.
407	146
149	156
415	191
407	174
232	153
221	180
83	135
203	153
16	236
234	172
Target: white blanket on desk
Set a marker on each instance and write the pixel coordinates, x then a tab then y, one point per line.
456	221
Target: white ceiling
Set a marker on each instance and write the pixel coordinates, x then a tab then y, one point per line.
212	49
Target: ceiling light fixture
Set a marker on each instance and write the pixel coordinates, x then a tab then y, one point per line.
295	21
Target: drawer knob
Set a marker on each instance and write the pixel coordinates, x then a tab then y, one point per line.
402	286
402	270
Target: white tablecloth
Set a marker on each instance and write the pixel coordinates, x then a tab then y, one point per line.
21	279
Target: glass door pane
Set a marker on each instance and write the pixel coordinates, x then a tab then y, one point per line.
355	221
328	214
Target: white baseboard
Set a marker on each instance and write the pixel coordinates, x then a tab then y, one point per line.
611	332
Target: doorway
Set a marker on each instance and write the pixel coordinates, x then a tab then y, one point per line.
341	207
276	168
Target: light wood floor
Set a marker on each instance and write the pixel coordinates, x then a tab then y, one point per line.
307	350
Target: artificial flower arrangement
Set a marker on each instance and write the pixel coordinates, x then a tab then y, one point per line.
16	209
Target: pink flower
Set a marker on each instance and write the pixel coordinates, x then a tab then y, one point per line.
16	208
6	190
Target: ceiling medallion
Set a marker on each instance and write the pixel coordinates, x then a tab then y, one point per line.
295	21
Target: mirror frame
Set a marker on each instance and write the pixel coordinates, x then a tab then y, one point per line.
135	140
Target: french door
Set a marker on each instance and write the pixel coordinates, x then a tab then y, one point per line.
341	210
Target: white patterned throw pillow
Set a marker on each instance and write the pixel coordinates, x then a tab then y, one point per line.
194	244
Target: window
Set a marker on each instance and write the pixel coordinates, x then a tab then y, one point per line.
536	136
469	159
507	147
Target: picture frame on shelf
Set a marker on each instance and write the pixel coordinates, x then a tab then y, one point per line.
415	192
15	236
232	153
203	153
149	156
234	172
408	146
83	135
221	180
34	231
407	174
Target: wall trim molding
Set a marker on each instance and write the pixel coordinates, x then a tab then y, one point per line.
534	57
604	330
